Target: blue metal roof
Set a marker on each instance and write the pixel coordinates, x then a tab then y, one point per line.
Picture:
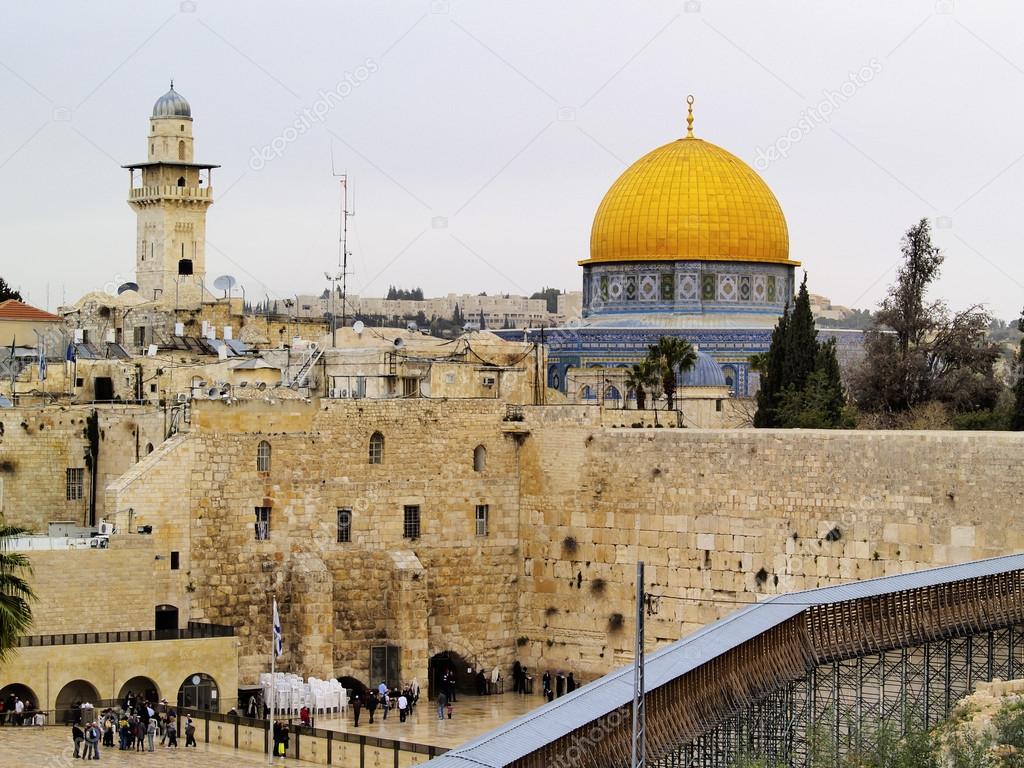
706	372
529	733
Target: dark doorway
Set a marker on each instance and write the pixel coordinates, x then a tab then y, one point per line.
185	266
353	686
166	618
103	388
465	681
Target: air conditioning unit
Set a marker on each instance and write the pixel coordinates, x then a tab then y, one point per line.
181	397
488	381
343	393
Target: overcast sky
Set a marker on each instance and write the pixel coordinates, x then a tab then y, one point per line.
479	137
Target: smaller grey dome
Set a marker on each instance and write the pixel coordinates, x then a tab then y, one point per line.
172	104
705	373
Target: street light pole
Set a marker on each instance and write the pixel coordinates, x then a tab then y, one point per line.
639	751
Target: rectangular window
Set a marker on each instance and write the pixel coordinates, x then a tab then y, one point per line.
410	387
175	561
344	526
481	519
76	483
718	406
411	529
262	523
140	335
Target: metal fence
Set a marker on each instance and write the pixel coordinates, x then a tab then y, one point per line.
195	630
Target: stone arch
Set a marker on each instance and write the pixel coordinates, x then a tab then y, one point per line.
353	685
20	690
199	691
71	696
143	688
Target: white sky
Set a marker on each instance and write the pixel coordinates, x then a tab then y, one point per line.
461	119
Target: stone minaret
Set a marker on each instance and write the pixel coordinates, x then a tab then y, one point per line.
170	193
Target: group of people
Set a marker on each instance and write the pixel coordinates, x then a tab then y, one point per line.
135	724
562	683
20	711
385	699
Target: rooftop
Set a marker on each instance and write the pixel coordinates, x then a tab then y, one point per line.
12	309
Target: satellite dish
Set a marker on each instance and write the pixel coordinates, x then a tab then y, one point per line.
399	342
225	283
358	327
127	287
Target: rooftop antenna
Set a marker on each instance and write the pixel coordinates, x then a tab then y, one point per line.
343	252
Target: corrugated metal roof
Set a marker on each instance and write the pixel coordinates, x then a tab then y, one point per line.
532	731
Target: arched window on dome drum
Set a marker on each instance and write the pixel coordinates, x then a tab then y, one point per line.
376	448
730	376
586	393
479	459
181	155
263	456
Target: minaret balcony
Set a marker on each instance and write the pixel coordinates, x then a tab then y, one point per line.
139	194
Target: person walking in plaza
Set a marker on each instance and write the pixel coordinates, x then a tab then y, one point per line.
403	707
77	736
371	704
442	704
151	733
357	707
385	702
190	733
172	734
92	742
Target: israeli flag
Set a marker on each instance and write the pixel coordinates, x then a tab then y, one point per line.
278	636
42	362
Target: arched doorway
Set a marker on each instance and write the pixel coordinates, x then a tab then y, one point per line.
72	696
166	617
458	666
354	686
14	691
141	689
198	691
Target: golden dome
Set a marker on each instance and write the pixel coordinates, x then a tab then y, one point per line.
689	200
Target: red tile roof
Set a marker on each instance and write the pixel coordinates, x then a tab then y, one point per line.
12	309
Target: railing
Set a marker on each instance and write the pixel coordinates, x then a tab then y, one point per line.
194	631
199	193
314	744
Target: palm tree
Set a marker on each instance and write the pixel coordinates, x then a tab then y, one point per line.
671	357
638	378
15	592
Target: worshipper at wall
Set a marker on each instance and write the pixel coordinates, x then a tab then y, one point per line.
403	707
518	678
414	689
442	704
560	684
371	704
357	707
570	684
481	683
545	684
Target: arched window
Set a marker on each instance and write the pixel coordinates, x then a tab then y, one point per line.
181	154
181	181
263	456
479	459
149	448
376	448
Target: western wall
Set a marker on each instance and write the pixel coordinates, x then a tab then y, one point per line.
720	518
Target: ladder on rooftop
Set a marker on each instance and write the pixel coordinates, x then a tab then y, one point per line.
301	377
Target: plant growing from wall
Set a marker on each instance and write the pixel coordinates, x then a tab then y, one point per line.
615	622
569	544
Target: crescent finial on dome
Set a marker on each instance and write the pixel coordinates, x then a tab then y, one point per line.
689	116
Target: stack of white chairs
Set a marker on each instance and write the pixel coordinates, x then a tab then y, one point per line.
292	693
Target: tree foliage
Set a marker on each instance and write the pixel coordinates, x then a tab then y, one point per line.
801	383
918	351
1017	415
670	358
639	378
414	294
6	292
15	592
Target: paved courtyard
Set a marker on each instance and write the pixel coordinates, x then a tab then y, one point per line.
51	747
472	716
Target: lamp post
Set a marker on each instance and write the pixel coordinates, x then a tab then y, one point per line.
334	323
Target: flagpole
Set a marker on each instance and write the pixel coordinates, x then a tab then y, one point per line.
273	681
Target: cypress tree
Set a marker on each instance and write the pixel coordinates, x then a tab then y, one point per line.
772	377
801	348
